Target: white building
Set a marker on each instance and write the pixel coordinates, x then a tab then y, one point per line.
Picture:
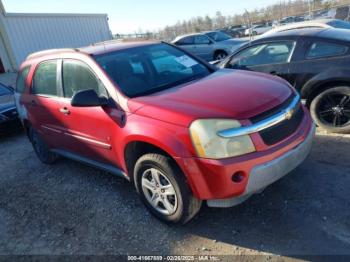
22	34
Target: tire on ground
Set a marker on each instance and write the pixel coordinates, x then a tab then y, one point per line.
187	207
315	107
40	148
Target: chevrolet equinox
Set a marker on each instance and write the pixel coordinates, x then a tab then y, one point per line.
183	131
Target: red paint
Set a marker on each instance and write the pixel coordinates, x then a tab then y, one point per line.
162	120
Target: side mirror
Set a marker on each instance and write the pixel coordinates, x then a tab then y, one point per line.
88	98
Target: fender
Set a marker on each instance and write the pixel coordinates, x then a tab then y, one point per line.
172	139
329	76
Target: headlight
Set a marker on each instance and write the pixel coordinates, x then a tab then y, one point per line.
209	145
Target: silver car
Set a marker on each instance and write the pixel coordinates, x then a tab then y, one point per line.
213	45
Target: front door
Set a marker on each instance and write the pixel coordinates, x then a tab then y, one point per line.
272	58
203	47
89	131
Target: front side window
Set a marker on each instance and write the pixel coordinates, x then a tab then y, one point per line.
270	53
21	80
45	79
324	49
201	40
163	67
77	76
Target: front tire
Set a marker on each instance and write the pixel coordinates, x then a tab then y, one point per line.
331	109
163	189
40	148
220	55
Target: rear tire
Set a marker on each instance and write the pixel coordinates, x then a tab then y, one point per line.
40	148
331	109
163	189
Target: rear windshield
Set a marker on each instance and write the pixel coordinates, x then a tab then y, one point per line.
148	69
4	90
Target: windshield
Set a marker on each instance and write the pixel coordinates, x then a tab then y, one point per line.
218	36
148	69
340	24
4	90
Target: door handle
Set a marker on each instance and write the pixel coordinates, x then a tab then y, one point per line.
64	111
33	103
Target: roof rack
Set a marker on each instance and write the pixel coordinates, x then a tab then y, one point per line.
107	42
51	51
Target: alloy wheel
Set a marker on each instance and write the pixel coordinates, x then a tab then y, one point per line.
159	191
334	109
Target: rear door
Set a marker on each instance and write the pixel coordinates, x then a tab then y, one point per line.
88	130
271	57
43	103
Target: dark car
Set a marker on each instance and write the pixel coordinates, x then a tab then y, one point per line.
314	61
234	31
9	120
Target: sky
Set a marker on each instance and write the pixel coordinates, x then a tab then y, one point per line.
129	16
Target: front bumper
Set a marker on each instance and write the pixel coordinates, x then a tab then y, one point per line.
212	179
265	174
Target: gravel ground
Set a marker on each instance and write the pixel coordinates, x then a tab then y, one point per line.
69	208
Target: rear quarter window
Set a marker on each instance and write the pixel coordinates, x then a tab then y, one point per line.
21	79
324	49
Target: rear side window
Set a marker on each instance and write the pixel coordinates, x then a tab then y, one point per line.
21	80
45	79
324	49
77	76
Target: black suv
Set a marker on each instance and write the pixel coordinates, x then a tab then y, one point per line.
315	61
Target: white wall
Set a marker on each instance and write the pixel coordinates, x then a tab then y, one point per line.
29	33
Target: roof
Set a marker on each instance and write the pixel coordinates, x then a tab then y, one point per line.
53	15
96	49
182	36
114	45
318	23
330	33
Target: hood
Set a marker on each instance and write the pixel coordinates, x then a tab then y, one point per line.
233	94
6	102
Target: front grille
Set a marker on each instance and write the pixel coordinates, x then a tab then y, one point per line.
280	131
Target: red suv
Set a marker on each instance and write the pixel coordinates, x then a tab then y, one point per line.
181	130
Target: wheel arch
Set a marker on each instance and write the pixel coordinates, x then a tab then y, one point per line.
309	92
220	50
138	146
